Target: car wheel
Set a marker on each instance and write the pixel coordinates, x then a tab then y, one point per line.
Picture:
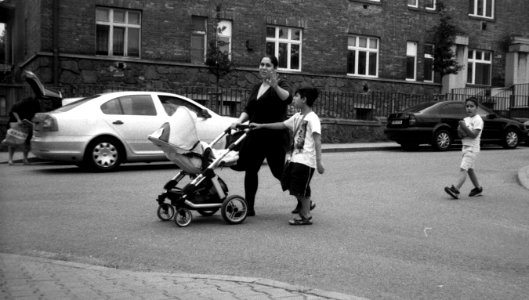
442	140
511	139
103	155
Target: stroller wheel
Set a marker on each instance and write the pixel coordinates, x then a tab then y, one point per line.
234	209
165	212
183	217
207	212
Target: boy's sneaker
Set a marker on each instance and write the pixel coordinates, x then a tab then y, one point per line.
476	192
452	191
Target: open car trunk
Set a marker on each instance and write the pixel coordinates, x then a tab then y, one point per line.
49	100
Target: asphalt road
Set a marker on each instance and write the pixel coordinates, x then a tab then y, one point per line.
383	227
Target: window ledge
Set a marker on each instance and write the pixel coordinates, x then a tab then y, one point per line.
367	2
474	85
288	71
481	18
361	76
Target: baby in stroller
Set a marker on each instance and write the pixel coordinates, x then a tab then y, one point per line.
206	192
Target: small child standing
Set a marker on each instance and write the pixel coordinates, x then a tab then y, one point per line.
306	153
469	129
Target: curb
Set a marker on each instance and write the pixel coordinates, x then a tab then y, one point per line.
19	161
523	176
358	149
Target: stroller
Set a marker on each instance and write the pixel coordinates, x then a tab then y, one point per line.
206	192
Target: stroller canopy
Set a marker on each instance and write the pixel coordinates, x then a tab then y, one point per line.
178	139
180	133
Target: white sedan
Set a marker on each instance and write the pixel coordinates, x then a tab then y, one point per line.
102	131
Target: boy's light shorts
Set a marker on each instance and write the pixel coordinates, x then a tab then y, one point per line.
469	160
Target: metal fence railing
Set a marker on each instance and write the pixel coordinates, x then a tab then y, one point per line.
227	101
337	105
504	101
521	95
365	106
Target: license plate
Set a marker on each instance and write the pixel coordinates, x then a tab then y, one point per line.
396	122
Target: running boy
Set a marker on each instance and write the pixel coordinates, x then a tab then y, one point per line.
306	153
469	130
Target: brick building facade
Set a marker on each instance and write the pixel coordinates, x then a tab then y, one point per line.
342	46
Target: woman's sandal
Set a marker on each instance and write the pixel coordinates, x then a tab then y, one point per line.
298	207
301	221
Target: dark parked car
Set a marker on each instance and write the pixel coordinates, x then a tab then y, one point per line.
435	123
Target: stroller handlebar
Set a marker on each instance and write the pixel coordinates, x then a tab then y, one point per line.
242	126
238	127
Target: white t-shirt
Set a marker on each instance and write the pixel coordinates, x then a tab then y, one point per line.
304	149
472	123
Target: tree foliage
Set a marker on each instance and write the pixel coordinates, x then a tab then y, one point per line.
217	59
444	36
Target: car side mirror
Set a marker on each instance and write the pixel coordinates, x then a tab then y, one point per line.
491	116
204	114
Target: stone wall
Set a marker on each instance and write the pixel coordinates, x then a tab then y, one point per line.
336	131
166	75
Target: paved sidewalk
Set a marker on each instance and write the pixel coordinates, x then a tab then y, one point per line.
26	277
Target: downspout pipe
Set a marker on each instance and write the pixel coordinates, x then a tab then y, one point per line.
55	42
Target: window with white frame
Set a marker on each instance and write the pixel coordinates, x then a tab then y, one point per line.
479	67
198	39
481	8
118	32
430	4
428	62
285	44
224	37
411	60
413	3
362	56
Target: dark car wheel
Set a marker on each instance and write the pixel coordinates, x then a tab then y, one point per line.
442	140
103	155
510	138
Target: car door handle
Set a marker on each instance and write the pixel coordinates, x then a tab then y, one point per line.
118	122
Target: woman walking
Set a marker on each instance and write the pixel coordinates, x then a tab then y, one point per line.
267	103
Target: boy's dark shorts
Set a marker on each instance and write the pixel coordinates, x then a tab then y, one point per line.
300	177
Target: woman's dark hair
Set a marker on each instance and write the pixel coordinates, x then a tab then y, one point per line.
474	100
273	60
